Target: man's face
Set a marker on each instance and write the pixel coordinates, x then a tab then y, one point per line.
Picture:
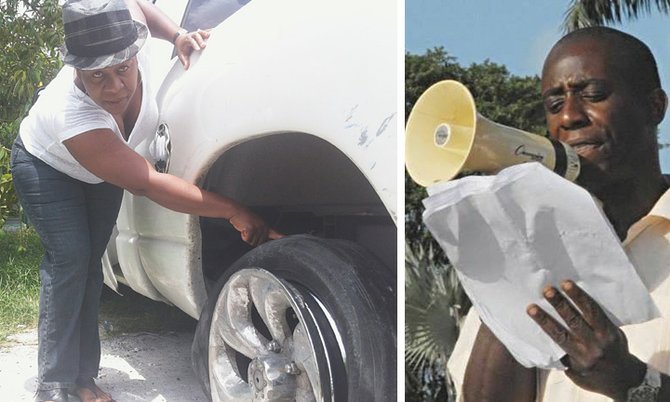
591	105
113	87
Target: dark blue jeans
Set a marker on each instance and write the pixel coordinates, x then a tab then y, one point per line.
74	221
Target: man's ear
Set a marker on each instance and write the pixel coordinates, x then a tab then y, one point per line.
658	104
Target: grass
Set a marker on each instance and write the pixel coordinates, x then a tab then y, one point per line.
20	257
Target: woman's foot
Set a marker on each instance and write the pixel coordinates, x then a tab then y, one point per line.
89	392
51	395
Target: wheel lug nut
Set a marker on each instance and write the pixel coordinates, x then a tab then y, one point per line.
292	369
274	347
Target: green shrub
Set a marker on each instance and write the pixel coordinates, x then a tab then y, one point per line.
31	32
9	203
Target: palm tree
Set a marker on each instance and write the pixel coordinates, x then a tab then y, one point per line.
586	13
434	305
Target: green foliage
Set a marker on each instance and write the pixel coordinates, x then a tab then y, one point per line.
31	33
586	13
19	280
434	306
9	203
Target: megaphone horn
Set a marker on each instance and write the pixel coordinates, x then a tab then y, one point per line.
445	136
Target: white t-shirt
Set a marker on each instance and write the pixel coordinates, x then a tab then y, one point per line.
63	111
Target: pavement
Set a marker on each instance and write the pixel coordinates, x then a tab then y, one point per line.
135	367
146	354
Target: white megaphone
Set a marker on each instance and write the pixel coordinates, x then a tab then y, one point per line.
445	136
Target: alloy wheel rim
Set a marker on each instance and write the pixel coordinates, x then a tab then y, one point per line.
280	332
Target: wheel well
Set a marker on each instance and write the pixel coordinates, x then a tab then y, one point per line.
300	184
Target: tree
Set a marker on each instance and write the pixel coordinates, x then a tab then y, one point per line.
30	35
434	301
586	13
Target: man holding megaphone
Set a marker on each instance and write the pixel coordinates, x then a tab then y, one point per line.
602	96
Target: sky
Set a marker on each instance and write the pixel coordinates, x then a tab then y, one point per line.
518	34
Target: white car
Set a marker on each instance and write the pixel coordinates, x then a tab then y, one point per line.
292	110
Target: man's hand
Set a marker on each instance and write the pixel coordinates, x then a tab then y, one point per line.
597	357
186	43
252	228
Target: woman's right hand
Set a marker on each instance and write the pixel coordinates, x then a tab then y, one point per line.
252	227
188	42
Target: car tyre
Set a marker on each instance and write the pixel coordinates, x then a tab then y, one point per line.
354	297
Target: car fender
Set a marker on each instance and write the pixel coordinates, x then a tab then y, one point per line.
320	68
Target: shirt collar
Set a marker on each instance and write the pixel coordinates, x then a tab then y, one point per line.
660	211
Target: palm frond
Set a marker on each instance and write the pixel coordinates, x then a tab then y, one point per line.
586	13
434	304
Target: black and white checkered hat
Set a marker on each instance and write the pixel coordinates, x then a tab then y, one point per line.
100	33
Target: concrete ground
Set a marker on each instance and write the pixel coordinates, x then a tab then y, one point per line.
146	354
136	367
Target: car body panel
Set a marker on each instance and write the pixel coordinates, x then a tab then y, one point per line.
320	69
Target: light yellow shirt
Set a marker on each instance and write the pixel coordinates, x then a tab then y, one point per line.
648	247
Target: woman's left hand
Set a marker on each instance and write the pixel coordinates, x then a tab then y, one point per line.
188	42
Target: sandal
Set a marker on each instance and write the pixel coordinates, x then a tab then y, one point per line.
53	395
97	393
